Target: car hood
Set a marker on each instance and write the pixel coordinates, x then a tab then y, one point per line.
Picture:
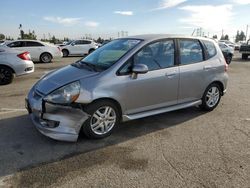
61	77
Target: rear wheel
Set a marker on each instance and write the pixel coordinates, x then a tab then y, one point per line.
45	58
211	97
65	53
104	116
6	75
229	58
244	56
91	50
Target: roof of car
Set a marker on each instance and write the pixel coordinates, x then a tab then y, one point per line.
149	37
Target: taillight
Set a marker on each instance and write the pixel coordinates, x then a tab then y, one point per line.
226	66
24	56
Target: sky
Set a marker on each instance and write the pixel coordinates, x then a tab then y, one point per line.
80	18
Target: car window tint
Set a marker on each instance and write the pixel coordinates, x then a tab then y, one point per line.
86	42
15	44
210	48
190	51
156	55
32	44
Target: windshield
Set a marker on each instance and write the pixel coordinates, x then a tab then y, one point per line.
107	55
69	42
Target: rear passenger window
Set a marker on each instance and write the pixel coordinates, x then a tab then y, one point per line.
32	44
210	48
190	51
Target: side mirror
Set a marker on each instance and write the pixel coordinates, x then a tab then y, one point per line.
139	69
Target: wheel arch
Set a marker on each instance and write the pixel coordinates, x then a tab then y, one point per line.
2	65
220	84
118	105
91	50
46	53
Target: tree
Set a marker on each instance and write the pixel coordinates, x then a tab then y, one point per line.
2	37
30	35
215	37
240	36
226	37
100	40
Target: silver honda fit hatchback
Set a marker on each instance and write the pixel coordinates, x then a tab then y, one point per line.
127	79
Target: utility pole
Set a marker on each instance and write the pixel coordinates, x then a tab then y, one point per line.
246	32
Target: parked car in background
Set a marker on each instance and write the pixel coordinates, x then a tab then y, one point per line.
1	42
229	43
127	79
78	47
13	63
39	51
245	50
227	51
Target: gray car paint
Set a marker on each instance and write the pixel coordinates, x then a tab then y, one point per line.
151	93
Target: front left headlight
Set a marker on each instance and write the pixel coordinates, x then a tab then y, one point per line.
65	95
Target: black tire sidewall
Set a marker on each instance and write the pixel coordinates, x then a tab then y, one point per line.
12	77
204	105
65	53
46	54
90	110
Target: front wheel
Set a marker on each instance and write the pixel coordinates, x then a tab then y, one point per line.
104	116
211	97
244	56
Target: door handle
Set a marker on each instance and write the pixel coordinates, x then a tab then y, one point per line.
170	74
208	67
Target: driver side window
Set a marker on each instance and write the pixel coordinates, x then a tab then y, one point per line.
157	55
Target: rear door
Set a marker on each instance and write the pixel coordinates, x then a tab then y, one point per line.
34	48
193	70
84	46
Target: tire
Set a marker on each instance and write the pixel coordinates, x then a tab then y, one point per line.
91	50
215	93
244	56
6	75
65	53
91	128
45	58
229	58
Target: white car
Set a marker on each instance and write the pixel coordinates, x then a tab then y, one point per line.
39	51
229	43
78	47
13	63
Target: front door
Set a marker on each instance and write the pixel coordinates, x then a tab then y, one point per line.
158	87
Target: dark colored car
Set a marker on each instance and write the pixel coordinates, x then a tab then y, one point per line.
245	50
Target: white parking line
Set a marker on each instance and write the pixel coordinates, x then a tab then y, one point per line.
11	110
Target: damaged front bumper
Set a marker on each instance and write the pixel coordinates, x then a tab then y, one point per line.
55	121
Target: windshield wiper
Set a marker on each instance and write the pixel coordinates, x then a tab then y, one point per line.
90	66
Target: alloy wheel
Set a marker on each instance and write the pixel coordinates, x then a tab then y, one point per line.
103	120
212	97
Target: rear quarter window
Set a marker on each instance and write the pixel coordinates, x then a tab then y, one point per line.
210	49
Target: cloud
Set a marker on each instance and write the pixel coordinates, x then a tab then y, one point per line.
208	16
241	2
124	13
63	21
91	24
165	4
